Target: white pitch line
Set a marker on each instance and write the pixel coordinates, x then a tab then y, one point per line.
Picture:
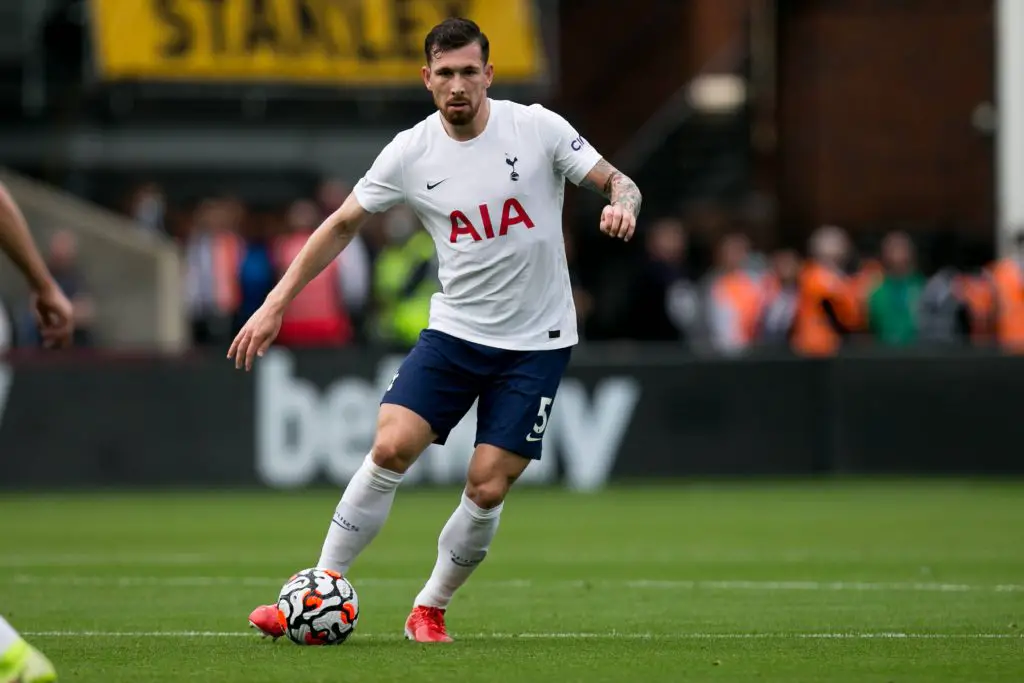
640	584
557	635
794	556
913	586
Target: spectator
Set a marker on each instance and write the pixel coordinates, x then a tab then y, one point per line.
865	276
1008	277
894	303
827	307
149	207
736	297
63	263
331	194
583	301
355	266
256	276
213	255
405	279
781	293
945	311
978	292
317	317
663	304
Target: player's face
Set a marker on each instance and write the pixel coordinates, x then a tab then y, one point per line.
458	80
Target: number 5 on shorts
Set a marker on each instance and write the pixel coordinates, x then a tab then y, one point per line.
543	413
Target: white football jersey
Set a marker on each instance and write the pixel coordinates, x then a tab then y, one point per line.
493	206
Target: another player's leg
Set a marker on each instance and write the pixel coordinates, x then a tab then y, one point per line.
512	417
19	661
465	539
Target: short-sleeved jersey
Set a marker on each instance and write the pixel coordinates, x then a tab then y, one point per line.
493	206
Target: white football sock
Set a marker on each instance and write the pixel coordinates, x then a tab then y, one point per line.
461	547
8	636
359	516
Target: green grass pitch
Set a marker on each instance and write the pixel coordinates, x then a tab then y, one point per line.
788	582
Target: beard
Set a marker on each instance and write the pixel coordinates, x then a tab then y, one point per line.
459	116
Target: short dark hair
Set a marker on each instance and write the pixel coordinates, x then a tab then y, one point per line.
453	33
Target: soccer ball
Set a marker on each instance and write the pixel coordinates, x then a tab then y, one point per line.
318	607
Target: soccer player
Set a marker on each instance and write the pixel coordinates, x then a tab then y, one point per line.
486	179
19	661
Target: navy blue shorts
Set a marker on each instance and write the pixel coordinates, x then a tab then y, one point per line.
443	375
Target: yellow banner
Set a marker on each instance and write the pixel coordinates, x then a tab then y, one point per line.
342	42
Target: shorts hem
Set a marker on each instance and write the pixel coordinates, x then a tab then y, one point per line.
496	443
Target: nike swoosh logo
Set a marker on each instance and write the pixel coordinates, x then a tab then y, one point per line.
431	187
531	437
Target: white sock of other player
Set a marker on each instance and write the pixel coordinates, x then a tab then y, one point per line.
8	636
360	514
461	547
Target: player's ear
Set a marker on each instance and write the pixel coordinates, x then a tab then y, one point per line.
488	74
426	76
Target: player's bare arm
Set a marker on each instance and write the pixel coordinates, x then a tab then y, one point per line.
323	246
16	242
618	219
52	310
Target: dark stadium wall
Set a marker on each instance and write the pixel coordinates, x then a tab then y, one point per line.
306	419
881	115
611	86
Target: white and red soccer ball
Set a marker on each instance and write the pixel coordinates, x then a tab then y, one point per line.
318	607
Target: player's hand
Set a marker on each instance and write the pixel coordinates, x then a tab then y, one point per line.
256	335
54	315
618	222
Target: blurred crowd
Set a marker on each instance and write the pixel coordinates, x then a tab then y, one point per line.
813	303
825	297
711	291
376	292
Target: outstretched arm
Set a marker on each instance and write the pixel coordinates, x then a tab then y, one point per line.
618	219
323	246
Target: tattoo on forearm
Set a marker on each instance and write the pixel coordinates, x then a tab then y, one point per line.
625	193
618	188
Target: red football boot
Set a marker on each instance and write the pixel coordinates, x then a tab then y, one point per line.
426	625
268	620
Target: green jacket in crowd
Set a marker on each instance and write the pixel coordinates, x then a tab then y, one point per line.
405	277
893	309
